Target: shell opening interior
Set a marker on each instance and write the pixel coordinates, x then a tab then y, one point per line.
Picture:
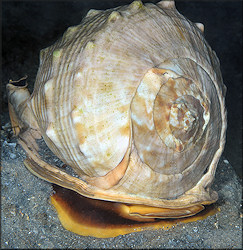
103	219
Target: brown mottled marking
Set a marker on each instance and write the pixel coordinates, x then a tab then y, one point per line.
179	147
158	71
123	108
181	33
125	131
79	127
180	115
167	114
171	86
167	117
107	87
161	114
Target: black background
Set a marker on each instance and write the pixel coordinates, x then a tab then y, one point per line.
29	26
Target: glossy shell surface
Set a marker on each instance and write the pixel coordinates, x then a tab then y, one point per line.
132	99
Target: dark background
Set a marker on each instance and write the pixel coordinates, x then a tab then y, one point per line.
29	26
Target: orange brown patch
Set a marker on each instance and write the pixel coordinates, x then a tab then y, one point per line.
171	88
124	108
125	131
79	127
179	147
113	177
158	71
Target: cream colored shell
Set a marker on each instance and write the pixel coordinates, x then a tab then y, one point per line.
133	100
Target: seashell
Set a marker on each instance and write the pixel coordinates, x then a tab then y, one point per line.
132	99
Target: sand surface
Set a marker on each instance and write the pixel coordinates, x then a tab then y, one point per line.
30	221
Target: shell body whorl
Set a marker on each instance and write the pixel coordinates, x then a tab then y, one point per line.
133	100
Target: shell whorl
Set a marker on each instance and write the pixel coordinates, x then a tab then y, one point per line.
173	113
